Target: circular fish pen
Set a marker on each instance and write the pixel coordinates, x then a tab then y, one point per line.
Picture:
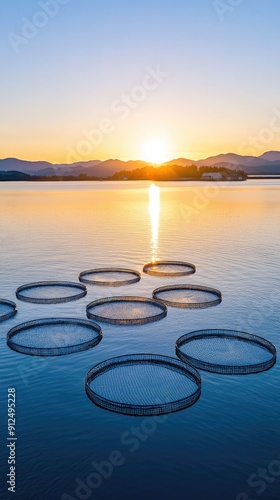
188	296
54	336
143	384
110	277
8	309
228	352
169	268
51	292
126	310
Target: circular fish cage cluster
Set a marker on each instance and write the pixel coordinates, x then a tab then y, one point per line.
54	337
226	352
110	277
169	268
138	384
126	310
143	384
51	292
7	309
188	296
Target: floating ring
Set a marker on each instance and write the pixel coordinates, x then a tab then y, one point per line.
52	292
110	277
143	384
169	268
126	310
227	352
188	296
7	309
54	336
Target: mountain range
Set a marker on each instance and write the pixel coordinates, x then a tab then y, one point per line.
266	164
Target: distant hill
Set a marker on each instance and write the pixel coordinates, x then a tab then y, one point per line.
271	156
264	169
24	166
173	172
14	175
110	167
95	168
251	165
232	158
228	158
266	164
181	162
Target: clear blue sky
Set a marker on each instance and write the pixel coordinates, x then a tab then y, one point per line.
58	85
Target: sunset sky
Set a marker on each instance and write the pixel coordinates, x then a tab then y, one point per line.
151	79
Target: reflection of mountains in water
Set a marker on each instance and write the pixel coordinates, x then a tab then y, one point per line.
266	164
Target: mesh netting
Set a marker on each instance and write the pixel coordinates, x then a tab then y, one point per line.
51	292
110	277
7	309
143	384
54	337
169	268
126	310
226	351
188	296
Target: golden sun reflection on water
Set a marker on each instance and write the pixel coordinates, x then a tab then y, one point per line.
154	209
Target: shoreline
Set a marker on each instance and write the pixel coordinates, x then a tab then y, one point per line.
122	180
77	179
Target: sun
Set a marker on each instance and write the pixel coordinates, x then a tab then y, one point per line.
155	151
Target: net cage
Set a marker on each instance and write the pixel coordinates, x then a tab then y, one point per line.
143	384
51	292
227	352
126	310
188	296
8	309
110	277
54	336
169	268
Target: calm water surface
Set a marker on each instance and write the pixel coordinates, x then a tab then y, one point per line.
231	233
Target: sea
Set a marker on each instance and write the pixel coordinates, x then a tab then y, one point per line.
227	445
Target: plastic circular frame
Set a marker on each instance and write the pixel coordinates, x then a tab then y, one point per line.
38	300
11	314
54	351
136	276
124	321
188	305
148	268
142	410
226	369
